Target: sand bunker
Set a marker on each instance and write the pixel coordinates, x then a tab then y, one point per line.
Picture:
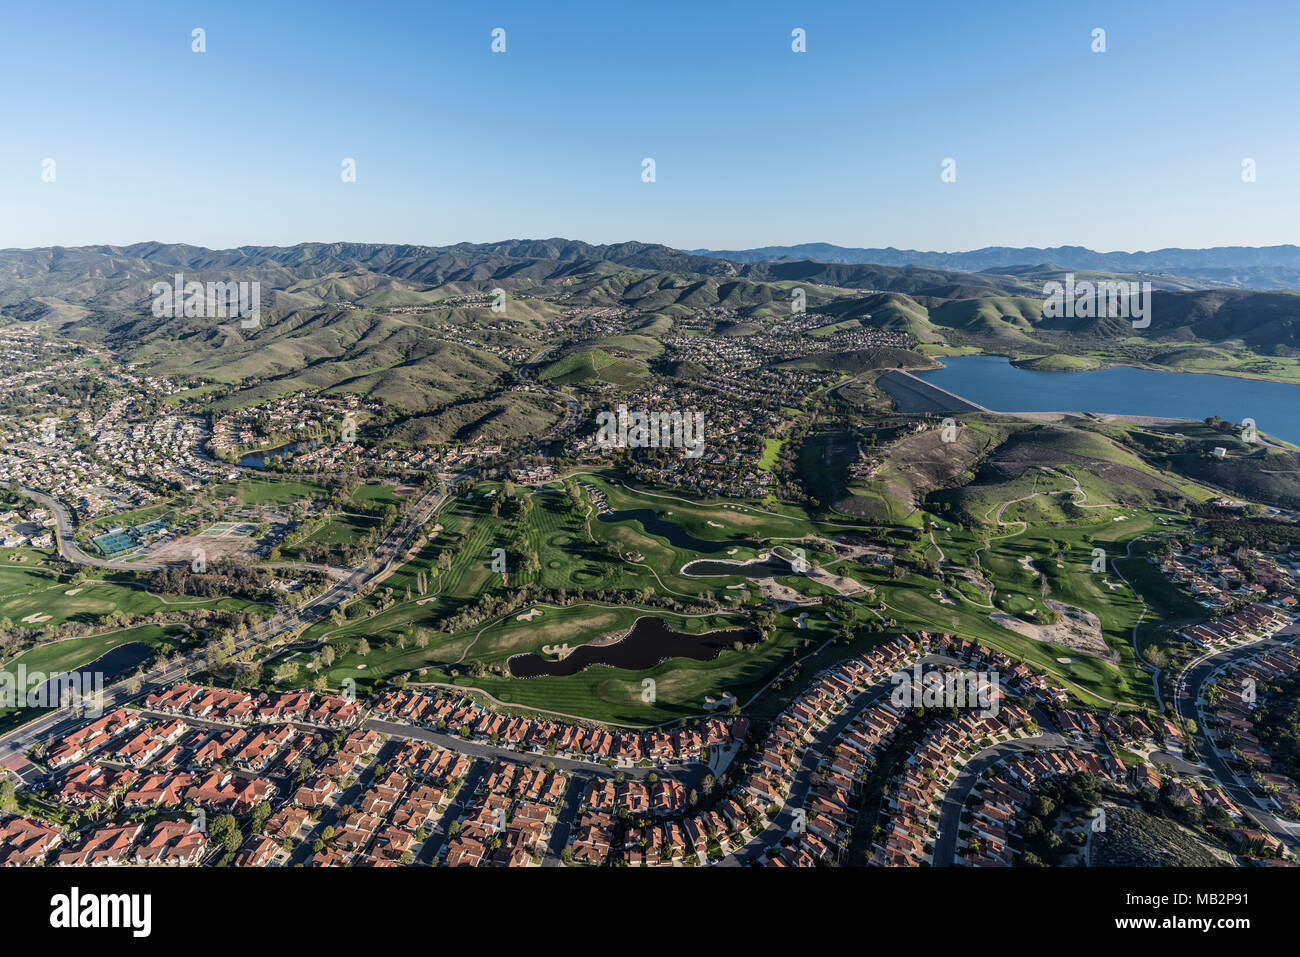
1076	629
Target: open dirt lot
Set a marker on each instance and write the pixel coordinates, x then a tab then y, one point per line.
182	549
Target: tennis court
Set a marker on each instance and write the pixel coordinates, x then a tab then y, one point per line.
228	530
114	543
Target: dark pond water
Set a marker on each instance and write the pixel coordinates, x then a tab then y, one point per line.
259	460
649	642
675	534
122	659
771	567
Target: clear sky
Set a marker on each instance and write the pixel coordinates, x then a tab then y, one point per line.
754	144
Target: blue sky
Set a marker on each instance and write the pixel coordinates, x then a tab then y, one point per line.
1135	148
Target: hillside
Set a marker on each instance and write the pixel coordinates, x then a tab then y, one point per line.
414	326
1262	267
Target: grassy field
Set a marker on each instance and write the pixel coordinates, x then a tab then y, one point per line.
137	516
1064	556
405	627
578	560
271	491
729	519
58	657
35	597
610	694
343	528
373	494
771	450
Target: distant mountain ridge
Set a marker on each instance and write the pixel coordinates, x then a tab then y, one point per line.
415	327
1262	267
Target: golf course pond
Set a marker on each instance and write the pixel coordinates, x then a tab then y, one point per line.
111	664
773	566
649	642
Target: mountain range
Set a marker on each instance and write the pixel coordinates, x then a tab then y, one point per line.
412	326
1258	267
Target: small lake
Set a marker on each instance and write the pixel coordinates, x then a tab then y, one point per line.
259	460
675	534
111	664
993	382
649	642
771	567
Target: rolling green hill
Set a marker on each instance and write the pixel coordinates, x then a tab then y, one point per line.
594	365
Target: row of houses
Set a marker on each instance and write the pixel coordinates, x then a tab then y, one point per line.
1232	697
241	707
1218	581
635	797
392	818
509	821
84	741
451	714
1013	674
218	790
912	798
1006	789
826	822
26	841
179	843
1249	624
337	770
280	828
1124	728
778	755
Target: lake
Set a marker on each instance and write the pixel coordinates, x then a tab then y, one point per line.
774	566
649	642
105	668
993	382
260	460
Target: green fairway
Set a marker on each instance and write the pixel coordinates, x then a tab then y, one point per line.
36	597
58	657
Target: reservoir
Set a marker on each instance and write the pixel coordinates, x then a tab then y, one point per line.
993	382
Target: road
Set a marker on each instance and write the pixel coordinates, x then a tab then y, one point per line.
389	551
954	799
68	548
572	408
1187	693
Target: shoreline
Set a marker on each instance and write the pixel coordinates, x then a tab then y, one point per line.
1108	363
